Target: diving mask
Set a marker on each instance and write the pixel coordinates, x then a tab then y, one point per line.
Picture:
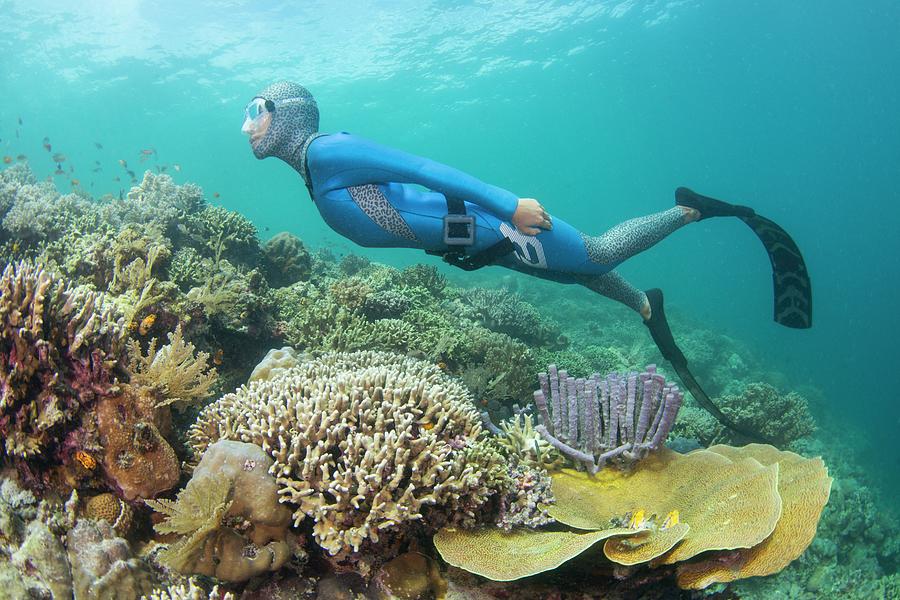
254	112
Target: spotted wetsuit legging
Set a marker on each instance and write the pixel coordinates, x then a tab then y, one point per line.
370	194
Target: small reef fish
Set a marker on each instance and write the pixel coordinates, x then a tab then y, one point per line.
130	174
161	169
218	357
123	163
147	153
216	194
75	183
98	145
7	159
117	178
97	169
20	120
177	167
47	145
21	157
146	323
59	157
59	172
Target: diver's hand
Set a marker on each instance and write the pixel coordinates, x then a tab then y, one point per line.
530	217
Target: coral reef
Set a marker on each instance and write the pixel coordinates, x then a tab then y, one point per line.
136	457
59	352
781	418
287	260
376	441
175	372
616	419
229	518
275	363
108	507
102	564
723	506
190	591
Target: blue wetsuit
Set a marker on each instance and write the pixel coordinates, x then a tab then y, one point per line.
381	197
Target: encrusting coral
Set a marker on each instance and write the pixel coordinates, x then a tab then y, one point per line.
230	521
364	443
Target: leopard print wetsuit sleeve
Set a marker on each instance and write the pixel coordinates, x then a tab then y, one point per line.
374	203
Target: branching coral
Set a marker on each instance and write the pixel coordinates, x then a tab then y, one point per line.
179	375
504	312
363	443
59	349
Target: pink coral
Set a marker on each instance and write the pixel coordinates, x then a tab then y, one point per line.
59	352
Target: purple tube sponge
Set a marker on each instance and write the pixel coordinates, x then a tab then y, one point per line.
616	418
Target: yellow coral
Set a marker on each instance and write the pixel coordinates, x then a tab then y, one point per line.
174	369
727	504
804	486
505	556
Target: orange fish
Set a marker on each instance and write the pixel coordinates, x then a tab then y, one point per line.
86	460
218	356
7	159
146	323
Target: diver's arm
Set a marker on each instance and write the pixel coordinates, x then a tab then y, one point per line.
344	160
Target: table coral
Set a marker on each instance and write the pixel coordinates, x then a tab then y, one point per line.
364	443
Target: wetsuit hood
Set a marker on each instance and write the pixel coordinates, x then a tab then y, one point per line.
294	122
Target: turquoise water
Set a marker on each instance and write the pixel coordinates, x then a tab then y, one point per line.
597	109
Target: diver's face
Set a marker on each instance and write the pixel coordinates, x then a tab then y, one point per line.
259	131
257	120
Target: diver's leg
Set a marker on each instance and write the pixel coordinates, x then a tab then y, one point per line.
615	287
636	235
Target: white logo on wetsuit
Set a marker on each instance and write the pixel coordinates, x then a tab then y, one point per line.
527	247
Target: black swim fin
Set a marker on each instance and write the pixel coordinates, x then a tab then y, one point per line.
665	341
790	278
710	207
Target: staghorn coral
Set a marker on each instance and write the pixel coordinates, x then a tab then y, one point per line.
59	349
40	214
229	518
287	260
178	374
374	441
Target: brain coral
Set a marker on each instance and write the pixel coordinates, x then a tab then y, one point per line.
363	443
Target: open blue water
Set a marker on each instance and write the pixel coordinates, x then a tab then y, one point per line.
598	109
